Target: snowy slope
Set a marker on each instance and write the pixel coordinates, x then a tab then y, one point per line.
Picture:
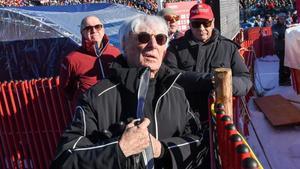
282	145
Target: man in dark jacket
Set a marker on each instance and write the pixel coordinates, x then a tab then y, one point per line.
278	33
84	67
197	54
103	133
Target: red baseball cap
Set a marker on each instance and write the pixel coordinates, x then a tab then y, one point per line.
201	11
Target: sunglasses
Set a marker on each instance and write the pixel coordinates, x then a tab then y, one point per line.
197	24
144	37
171	18
90	28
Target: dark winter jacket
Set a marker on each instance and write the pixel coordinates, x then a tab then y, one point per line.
278	33
176	35
197	61
91	141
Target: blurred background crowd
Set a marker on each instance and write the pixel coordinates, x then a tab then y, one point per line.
252	12
265	12
147	6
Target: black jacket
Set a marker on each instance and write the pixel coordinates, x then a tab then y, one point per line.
91	141
197	61
278	33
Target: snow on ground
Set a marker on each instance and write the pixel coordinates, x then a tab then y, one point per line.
282	145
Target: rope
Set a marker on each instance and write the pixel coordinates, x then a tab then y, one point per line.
256	135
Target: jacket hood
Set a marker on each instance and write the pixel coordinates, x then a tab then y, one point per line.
130	76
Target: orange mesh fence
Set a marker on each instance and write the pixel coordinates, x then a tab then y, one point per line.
262	40
33	115
248	53
267	47
254	34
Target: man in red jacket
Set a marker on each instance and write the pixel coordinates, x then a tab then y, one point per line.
82	68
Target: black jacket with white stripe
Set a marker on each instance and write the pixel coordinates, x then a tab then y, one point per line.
91	141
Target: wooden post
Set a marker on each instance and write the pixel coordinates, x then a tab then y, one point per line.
223	88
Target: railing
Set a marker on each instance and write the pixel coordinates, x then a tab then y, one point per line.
229	149
34	113
262	40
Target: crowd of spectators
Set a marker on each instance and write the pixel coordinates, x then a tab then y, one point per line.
4	3
147	6
253	12
250	8
264	13
269	20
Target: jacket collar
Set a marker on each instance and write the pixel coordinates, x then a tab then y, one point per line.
90	49
192	41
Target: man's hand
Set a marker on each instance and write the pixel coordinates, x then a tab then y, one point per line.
135	138
156	146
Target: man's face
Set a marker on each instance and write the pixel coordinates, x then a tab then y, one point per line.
172	23
281	19
146	48
93	30
202	29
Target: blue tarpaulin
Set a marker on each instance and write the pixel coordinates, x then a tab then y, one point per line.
33	40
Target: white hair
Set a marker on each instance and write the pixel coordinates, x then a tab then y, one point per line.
133	24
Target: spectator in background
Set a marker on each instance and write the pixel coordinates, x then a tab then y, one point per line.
171	18
295	17
201	50
82	68
258	22
268	21
289	19
197	54
99	137
278	33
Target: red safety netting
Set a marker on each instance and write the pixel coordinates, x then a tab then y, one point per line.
267	46
229	149
254	35
33	115
262	40
296	79
247	51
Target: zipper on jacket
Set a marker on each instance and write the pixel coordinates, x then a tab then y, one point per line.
98	53
156	105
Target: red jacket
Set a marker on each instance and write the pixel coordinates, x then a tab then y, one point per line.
81	68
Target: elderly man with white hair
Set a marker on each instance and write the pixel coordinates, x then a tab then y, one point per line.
105	131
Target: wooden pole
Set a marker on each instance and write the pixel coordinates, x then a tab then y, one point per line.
223	88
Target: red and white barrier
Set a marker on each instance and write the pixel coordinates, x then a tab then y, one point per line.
231	151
